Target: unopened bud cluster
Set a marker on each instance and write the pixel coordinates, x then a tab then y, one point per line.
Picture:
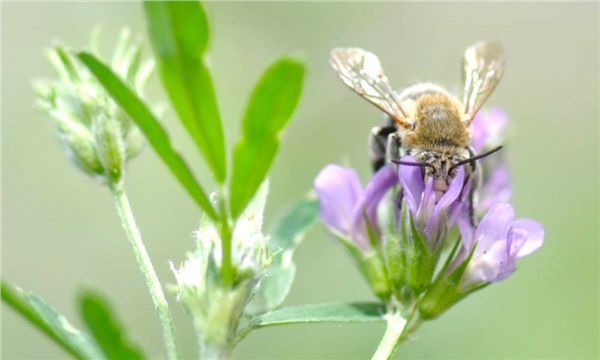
216	307
96	133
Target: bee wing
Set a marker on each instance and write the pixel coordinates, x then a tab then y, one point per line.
483	65
361	71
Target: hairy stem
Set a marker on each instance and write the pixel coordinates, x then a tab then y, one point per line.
225	234
141	255
396	325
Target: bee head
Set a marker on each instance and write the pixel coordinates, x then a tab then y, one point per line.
443	165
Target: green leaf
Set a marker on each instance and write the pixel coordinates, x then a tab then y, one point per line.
270	107
179	34
291	228
50	322
288	232
321	313
106	328
156	135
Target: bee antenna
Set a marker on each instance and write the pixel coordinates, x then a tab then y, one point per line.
474	158
400	162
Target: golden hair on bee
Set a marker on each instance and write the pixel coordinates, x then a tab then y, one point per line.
438	120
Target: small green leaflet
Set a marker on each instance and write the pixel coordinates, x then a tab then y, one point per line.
50	322
179	33
271	105
106	327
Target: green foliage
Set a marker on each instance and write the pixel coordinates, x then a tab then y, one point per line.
150	126
270	107
179	34
320	313
106	328
50	322
287	234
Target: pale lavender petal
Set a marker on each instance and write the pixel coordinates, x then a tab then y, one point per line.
518	238
456	207
338	189
496	187
467	232
535	236
493	265
377	187
494	227
411	180
452	193
426	205
435	221
487	128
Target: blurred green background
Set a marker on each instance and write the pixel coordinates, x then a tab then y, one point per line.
60	230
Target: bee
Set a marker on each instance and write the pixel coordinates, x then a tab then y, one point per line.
425	120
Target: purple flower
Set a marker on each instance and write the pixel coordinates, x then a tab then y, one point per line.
499	240
487	128
495	187
344	203
428	215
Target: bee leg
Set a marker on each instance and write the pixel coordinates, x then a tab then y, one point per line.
476	178
472	200
378	143
393	146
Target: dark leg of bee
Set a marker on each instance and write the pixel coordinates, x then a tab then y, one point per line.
378	144
472	217
393	146
476	183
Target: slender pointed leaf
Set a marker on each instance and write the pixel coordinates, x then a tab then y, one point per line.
321	313
106	328
50	322
270	107
156	135
179	33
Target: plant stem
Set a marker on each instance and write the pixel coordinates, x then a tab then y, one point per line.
141	255
396	324
225	233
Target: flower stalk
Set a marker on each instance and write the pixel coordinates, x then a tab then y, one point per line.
396	326
145	264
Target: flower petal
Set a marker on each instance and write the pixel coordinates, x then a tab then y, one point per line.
535	236
493	228
486	128
426	205
435	221
367	203
411	180
377	187
496	187
338	189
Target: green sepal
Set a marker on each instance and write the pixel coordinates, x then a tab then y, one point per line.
110	146
445	290
420	260
395	254
372	266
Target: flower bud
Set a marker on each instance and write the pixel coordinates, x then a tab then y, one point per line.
97	134
215	307
110	146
